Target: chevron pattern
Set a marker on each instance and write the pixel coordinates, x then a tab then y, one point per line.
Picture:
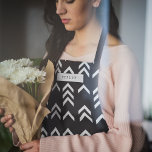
99	118
84	64
56	107
55	112
56	86
43	132
85	71
58	67
83	87
68	96
70	115
55	130
68	93
84	68
96	98
85	133
67	132
95	74
57	70
84	114
59	64
68	100
69	70
77	110
68	86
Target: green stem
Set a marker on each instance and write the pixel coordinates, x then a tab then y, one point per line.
28	88
35	90
32	89
30	85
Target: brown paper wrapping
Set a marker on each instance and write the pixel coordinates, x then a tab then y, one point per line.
27	112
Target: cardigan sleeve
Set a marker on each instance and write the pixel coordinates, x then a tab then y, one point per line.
121	96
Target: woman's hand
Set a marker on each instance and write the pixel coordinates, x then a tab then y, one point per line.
7	120
31	146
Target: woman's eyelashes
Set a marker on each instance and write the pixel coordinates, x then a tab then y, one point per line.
67	1
70	1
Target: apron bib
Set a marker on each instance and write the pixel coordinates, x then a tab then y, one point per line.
74	100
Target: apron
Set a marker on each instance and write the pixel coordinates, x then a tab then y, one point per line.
74	100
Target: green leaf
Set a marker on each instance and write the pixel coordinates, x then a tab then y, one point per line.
36	62
5	139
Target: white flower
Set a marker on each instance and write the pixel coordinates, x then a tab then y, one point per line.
35	75
30	74
40	76
24	62
8	62
18	76
6	70
21	71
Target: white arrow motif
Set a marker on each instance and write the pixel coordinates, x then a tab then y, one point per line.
85	115
68	100
84	63
56	86
99	118
68	114
85	132
56	106
95	91
59	63
84	70
44	131
56	113
68	86
83	87
84	108
97	104
57	70
69	69
55	131
97	72
67	132
96	97
46	116
68	93
42	136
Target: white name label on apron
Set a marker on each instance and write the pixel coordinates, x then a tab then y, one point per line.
70	77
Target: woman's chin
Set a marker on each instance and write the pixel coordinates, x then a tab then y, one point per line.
68	28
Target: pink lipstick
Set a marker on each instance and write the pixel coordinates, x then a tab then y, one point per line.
65	21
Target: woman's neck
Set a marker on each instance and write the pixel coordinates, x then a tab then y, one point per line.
88	34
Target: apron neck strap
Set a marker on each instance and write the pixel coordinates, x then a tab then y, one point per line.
100	47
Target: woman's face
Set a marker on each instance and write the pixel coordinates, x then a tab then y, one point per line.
74	14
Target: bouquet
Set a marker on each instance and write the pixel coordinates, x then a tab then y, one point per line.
24	92
24	73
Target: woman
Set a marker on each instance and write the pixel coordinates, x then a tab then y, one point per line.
94	101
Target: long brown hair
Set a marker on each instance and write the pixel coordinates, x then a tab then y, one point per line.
59	37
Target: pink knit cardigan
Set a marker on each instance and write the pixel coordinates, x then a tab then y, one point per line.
120	96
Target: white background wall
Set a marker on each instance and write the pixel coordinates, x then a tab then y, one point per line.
147	91
35	24
132	27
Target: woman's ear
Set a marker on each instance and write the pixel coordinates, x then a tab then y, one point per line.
96	3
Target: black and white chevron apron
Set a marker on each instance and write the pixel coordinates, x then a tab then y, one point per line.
74	100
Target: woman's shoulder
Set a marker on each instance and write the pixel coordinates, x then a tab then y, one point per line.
118	55
122	54
118	50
